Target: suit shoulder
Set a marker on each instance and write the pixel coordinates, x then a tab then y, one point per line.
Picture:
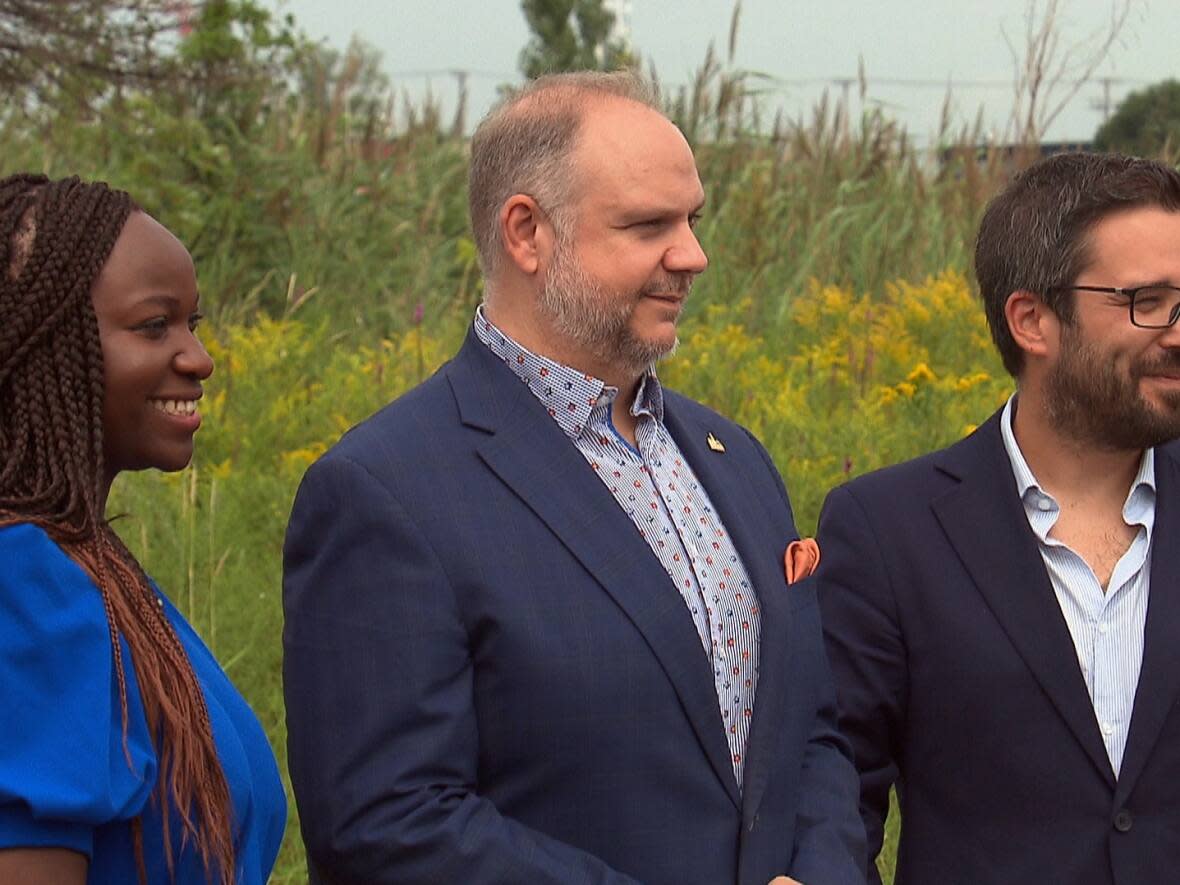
917	479
408	424
901	472
691	409
687	406
691	413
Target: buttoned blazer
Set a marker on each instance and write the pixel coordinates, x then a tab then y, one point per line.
958	679
489	677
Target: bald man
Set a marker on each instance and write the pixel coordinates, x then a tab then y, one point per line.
538	629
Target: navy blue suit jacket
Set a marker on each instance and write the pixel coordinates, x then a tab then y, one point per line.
490	679
958	679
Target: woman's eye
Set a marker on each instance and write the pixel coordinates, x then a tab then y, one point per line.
154	327
194	321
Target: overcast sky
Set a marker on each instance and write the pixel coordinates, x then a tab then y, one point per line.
802	47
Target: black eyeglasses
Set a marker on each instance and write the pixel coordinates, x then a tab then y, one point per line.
1151	307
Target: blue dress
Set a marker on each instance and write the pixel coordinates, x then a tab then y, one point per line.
65	780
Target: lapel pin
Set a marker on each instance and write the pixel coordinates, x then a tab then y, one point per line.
714	443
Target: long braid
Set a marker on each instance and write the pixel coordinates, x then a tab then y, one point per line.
55	238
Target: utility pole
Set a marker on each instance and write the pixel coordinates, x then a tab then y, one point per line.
1104	104
459	123
844	110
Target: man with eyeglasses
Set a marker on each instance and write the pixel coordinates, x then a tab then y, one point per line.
1003	616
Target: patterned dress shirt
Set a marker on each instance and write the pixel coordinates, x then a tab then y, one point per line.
1106	627
658	490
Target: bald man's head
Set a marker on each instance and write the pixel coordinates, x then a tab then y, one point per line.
526	143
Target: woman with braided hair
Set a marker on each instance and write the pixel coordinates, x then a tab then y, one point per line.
125	753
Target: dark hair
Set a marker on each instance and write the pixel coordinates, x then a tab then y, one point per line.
1034	235
55	237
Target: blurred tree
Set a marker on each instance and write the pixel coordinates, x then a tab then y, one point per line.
1146	123
78	48
79	53
234	57
570	35
347	93
1051	68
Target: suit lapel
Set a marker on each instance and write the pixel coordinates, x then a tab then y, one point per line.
755	533
531	455
986	524
774	685
1159	677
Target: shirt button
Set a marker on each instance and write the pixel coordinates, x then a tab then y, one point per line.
1123	821
1044	504
1102	628
1107	729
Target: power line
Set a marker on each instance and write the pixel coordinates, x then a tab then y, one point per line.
841	81
424	74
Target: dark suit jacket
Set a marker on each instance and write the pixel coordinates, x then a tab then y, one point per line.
958	680
490	679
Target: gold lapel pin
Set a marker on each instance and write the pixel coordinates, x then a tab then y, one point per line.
714	443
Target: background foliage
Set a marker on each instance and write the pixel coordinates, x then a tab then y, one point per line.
1146	123
328	225
570	35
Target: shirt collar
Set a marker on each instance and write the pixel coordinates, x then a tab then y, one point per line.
1024	475
1139	508
649	398
567	394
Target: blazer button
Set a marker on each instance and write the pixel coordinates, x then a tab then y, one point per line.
1123	821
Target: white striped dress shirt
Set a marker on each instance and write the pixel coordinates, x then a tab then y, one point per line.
1107	628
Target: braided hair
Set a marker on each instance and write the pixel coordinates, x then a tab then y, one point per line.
55	237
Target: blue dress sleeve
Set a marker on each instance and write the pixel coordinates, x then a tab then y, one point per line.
65	768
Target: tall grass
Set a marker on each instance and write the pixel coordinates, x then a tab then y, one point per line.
331	243
362	201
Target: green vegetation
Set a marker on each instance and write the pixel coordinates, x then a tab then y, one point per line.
328	225
1146	123
570	35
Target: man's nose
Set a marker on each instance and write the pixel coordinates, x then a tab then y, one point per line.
1170	337
686	254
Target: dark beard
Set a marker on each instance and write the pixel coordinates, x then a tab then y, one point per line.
1090	401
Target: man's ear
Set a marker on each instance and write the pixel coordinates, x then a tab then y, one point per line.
1033	325
526	231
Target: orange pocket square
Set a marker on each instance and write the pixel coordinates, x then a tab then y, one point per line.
801	558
